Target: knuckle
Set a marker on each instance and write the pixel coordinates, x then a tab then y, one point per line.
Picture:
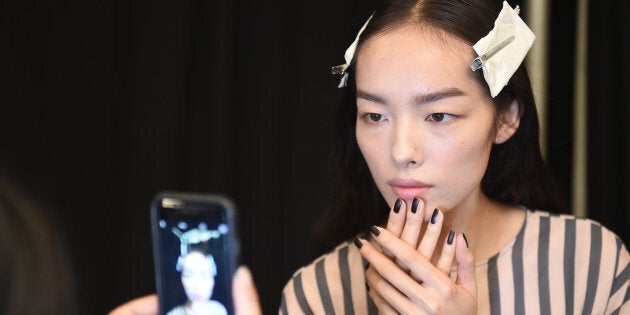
415	218
433	306
406	257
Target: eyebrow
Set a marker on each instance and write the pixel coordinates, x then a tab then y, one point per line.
418	99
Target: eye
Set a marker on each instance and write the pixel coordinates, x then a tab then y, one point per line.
373	117
439	117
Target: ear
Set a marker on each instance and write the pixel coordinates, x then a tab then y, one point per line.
508	122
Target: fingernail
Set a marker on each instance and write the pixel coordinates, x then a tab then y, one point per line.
465	239
414	205
434	216
358	243
397	205
449	239
243	275
375	231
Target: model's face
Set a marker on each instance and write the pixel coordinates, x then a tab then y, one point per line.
197	277
424	125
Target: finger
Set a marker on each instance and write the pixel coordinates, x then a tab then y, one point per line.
413	223
448	253
391	282
146	305
381	305
421	269
387	298
244	293
396	219
465	266
432	234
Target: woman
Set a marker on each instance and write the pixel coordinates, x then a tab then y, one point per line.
447	159
198	273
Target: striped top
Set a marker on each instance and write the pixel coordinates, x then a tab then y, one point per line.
557	264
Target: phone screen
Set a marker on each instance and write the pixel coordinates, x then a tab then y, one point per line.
195	255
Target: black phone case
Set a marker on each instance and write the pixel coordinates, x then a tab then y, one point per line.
192	205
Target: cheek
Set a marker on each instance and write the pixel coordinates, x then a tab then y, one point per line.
466	161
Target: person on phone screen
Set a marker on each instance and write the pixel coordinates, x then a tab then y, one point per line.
197	273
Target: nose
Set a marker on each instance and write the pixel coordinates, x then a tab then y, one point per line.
406	149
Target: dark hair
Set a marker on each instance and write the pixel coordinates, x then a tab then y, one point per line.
34	270
516	172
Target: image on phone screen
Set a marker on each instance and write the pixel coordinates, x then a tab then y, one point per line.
195	273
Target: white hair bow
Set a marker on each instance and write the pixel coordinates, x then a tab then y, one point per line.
502	51
341	69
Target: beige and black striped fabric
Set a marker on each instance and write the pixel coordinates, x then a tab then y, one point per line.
557	264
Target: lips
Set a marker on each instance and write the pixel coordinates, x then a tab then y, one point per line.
408	189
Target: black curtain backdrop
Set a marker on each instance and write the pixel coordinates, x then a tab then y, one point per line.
608	102
106	103
609	115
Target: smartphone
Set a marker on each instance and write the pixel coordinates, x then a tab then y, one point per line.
196	251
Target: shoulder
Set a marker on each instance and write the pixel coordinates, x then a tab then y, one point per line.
572	229
178	310
329	284
596	257
330	266
575	236
217	308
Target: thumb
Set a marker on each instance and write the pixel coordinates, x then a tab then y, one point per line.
465	266
147	305
244	293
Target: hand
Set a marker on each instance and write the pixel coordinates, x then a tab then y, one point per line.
403	279
146	305
244	295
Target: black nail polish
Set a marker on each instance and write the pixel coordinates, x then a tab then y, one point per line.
358	243
397	205
375	231
450	237
434	216
414	205
465	239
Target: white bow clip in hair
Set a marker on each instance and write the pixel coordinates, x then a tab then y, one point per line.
502	51
341	69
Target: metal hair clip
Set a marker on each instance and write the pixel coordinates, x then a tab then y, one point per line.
503	49
340	69
479	61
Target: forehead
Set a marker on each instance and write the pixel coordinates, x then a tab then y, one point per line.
196	260
426	58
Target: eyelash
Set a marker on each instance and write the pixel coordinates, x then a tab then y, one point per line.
374	118
434	117
368	117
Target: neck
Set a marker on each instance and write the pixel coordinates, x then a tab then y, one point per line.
197	305
489	225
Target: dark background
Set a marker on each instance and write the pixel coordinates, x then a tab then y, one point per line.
105	103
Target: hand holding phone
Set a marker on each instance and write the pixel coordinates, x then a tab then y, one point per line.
244	294
196	252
